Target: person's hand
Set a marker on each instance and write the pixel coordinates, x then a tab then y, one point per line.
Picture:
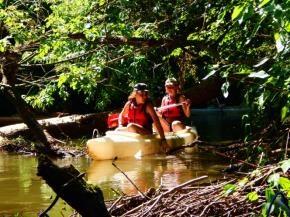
158	112
165	147
188	102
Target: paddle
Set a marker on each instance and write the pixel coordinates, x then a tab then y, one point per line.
112	120
169	106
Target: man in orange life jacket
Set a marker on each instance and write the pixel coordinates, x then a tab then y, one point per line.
141	114
171	118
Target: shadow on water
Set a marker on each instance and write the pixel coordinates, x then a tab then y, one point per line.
218	124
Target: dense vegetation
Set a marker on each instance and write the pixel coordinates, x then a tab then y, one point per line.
81	51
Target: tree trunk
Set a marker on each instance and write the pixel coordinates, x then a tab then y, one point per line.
86	199
207	89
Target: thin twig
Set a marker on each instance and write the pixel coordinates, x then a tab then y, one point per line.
115	203
144	196
286	148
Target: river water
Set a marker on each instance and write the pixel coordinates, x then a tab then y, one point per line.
24	193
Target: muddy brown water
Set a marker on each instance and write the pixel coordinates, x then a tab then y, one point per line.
25	194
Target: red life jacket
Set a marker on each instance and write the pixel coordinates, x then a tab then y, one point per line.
173	113
137	114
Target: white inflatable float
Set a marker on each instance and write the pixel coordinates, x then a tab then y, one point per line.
125	144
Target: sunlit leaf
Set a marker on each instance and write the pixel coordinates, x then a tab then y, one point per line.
284	112
285	165
176	52
225	88
287	26
259	74
252	196
274	179
243	182
237	11
264	2
229	188
209	74
262	62
279	44
284	183
269	193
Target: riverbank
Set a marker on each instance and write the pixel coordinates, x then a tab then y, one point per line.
252	195
20	145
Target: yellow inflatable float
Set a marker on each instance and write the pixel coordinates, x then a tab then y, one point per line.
126	144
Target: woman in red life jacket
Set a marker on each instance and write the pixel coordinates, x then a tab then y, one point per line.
171	118
141	114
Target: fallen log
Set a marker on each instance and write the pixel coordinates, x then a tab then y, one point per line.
72	126
4	121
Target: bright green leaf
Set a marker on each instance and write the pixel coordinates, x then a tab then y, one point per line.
237	11
264	2
287	26
230	188
252	196
284	112
284	183
176	52
269	193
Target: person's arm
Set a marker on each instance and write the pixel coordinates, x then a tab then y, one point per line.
159	112
123	113
150	110
185	105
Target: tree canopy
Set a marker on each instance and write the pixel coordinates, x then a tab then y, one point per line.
95	50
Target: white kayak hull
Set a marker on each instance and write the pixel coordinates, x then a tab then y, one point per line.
125	144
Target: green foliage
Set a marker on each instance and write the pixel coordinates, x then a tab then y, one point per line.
245	40
279	185
285	165
229	189
252	196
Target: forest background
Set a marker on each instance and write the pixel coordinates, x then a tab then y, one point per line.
86	55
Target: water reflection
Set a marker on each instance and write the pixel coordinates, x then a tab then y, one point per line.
151	171
24	193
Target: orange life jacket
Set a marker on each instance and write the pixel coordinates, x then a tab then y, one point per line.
137	114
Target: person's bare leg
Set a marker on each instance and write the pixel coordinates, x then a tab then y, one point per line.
135	128
177	125
165	125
